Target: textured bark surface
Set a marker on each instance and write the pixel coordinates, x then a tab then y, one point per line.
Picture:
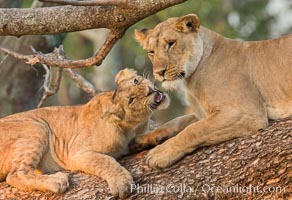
60	19
258	166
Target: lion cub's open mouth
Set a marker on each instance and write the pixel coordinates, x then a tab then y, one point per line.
158	98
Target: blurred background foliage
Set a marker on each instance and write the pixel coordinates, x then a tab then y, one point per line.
246	20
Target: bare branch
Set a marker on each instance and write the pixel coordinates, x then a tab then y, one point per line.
49	89
121	3
57	57
3	59
53	59
81	82
28	58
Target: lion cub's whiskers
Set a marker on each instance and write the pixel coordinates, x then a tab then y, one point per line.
148	75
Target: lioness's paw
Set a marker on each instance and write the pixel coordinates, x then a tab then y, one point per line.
146	141
120	184
162	156
139	143
58	182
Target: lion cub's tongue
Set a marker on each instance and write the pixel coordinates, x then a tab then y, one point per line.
158	97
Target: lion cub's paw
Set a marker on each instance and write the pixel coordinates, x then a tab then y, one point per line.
162	156
58	182
120	184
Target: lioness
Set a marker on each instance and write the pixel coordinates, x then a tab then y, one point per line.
86	137
234	87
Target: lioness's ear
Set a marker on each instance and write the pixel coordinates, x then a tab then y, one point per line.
187	23
125	74
140	35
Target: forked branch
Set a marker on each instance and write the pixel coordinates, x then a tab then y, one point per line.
50	89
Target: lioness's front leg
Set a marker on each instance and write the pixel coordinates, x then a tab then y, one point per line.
216	128
164	132
106	167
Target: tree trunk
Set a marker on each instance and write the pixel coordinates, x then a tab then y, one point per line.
21	83
257	166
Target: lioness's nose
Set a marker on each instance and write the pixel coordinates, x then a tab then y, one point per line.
161	72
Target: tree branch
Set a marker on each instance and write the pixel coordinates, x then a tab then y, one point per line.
61	19
27	58
257	166
121	3
81	82
50	89
57	57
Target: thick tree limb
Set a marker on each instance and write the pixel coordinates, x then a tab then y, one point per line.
258	166
121	3
61	19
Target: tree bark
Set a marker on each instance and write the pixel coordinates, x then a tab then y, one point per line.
257	166
61	19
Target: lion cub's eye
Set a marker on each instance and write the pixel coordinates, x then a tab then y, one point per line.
136	81
131	100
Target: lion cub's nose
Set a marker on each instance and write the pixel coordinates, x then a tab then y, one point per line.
150	91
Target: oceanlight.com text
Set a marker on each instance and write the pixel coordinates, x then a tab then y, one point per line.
205	188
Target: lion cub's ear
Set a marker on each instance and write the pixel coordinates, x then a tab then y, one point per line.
114	113
187	23
124	75
140	35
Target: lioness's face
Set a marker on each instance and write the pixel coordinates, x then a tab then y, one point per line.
137	95
174	48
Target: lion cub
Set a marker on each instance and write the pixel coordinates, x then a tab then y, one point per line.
86	137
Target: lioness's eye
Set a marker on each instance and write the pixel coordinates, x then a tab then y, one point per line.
131	100
171	43
136	81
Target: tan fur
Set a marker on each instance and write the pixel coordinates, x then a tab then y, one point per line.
85	138
234	87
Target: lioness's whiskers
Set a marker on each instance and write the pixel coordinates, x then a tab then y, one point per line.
179	76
